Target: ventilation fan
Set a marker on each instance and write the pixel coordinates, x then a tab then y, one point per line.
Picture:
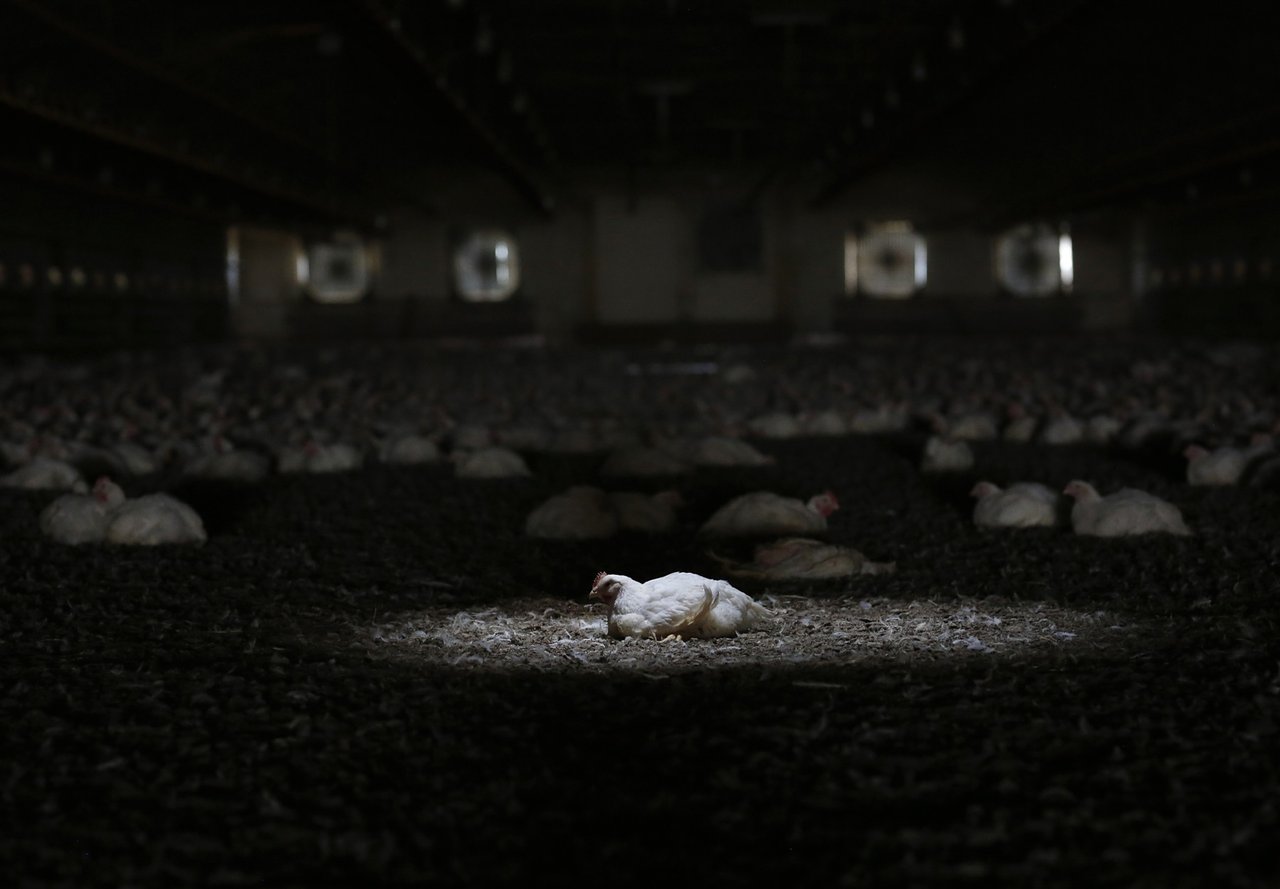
337	271
891	262
1030	261
486	267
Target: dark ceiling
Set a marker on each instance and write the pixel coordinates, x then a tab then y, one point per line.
334	108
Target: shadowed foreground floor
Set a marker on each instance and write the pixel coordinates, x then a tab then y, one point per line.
373	678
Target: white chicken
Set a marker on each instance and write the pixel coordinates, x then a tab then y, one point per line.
580	513
680	604
942	455
107	515
774	425
973	426
81	518
641	462
1100	429
1022	425
221	461
495	462
320	458
1126	512
724	451
45	474
800	558
1062	429
1021	505
879	420
151	520
1223	466
646	513
827	422
765	514
408	449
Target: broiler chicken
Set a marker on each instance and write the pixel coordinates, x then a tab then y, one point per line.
1126	512
646	513
765	514
495	462
1223	466
680	604
45	474
724	451
942	455
1022	505
799	558
641	462
580	513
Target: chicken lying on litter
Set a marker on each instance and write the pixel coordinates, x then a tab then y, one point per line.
320	458
584	512
1223	466
495	462
765	514
941	455
679	604
1022	505
799	558
1128	511
107	515
45	474
580	513
724	451
646	513
641	462
408	449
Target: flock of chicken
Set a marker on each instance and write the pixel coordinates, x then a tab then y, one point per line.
239	415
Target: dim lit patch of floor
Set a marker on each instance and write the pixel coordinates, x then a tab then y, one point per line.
548	635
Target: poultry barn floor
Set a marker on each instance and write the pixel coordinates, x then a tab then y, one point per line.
373	678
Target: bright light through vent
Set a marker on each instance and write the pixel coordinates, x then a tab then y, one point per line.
1066	262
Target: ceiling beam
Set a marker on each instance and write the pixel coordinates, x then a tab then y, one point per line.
431	76
968	72
184	88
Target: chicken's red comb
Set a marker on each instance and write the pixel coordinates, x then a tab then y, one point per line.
595	583
831	495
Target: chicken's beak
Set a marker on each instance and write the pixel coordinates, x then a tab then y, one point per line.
594	594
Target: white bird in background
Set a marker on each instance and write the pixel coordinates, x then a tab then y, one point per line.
972	426
646	513
1128	511
941	455
148	520
495	462
826	422
765	514
81	518
108	515
1021	427
1062	429
640	462
718	450
580	513
799	558
774	425
679	604
222	461
1223	466
320	458
408	449
879	420
45	474
1101	429
1022	505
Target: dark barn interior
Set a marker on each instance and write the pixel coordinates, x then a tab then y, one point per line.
344	342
